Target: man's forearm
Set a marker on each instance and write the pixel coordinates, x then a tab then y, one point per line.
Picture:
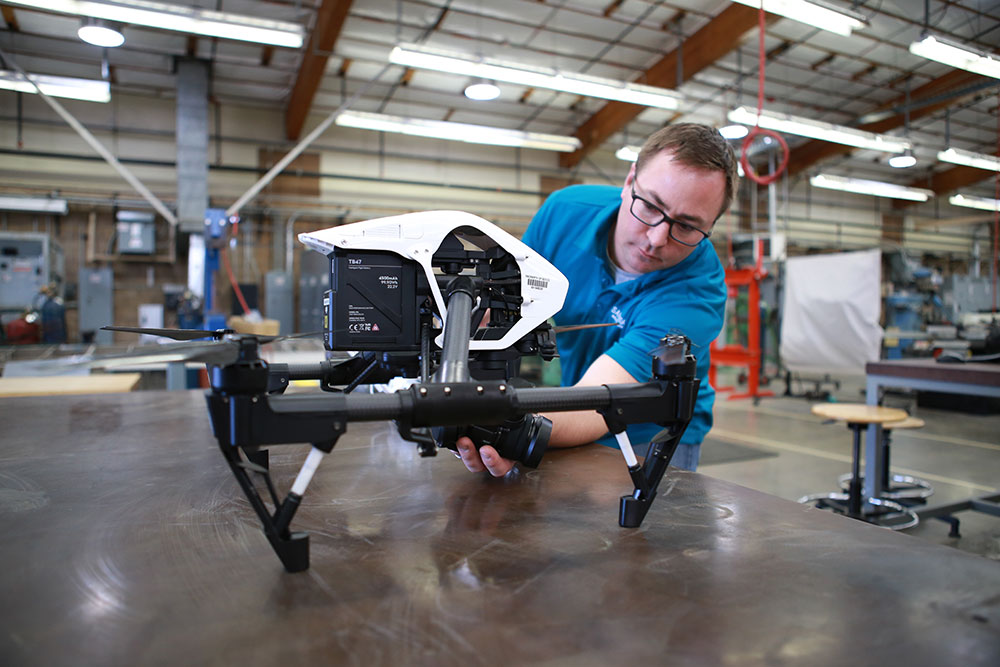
570	429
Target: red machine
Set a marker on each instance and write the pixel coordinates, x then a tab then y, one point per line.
748	355
24	330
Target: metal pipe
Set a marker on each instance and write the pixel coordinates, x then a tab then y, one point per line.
457	328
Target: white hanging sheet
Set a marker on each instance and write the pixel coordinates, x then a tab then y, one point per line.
830	318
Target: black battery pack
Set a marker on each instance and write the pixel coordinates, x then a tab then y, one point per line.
372	303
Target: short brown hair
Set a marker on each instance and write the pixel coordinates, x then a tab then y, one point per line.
698	146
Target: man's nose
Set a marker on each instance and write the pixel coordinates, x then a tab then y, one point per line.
659	236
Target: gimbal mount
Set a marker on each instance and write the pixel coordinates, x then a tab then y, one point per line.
248	412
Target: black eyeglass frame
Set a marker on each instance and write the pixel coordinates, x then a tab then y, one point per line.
666	218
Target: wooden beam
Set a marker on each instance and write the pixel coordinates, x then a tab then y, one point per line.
266	54
868	71
610	9
329	20
717	38
823	61
808	154
10	18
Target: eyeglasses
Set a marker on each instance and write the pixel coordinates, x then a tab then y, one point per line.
652	215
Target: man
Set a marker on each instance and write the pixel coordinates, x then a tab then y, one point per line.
638	257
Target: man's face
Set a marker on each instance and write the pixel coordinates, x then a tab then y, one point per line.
686	194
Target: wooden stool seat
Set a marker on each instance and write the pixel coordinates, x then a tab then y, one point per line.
859	413
909	422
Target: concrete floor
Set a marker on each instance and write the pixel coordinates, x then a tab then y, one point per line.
959	454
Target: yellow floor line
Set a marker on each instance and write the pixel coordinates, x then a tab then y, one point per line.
742	439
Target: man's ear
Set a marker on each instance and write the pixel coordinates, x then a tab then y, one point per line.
630	176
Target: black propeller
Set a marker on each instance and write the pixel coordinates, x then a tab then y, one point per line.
217	334
176	334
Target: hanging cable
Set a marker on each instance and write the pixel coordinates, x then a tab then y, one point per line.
758	131
229	268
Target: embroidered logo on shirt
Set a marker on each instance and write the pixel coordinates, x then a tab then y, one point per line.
617	317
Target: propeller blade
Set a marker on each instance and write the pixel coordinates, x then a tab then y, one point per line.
670	353
578	327
219	353
264	340
176	334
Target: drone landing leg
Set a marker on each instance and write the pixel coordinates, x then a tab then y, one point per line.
292	548
633	508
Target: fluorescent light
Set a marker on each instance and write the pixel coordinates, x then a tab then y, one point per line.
34	205
164	16
815	13
864	187
969	201
734	131
970	159
100	33
474	134
817	129
957	55
903	160
452	62
482	91
628	153
58	86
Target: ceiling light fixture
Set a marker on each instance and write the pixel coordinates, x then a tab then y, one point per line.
957	55
482	90
734	131
903	160
628	153
88	90
100	33
474	134
865	187
34	204
817	129
970	159
412	55
166	16
816	13
970	201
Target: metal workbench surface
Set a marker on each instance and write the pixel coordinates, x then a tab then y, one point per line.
127	541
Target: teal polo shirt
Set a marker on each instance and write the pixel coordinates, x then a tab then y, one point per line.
571	231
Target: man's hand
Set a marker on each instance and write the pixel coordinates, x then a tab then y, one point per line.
485	458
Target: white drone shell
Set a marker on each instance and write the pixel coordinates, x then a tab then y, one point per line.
417	236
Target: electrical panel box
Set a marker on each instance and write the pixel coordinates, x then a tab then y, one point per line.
314	281
136	232
279	300
966	294
28	262
96	303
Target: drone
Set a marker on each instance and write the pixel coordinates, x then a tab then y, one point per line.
450	303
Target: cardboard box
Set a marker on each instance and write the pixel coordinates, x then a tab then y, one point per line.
264	327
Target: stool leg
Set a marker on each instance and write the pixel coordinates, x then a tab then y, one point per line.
885	459
854	490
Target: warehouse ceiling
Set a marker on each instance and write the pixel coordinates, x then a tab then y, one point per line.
707	50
